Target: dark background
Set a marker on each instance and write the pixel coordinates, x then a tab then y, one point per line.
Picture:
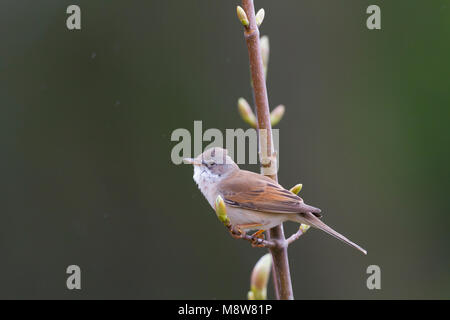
86	119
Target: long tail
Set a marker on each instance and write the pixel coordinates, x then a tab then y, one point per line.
312	220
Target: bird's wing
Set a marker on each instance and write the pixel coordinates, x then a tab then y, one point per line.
260	193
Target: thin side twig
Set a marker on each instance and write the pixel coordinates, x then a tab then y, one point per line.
295	236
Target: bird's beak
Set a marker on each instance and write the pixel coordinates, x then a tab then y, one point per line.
192	161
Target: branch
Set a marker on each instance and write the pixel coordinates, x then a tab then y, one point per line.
301	231
282	278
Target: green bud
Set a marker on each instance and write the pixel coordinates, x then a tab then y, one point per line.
264	47
221	210
260	277
246	112
277	114
297	188
304	227
242	16
260	17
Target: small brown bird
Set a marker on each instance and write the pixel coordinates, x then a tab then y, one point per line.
253	201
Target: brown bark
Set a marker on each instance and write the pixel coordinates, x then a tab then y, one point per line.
281	273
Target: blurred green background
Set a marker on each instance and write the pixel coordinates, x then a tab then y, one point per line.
86	118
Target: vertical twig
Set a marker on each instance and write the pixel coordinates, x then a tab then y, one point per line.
281	273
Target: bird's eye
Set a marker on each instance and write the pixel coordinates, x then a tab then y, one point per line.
208	164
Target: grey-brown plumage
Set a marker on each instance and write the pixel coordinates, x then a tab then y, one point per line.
253	191
253	201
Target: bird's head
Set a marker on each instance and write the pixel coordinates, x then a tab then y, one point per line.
213	164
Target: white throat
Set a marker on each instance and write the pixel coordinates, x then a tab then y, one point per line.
207	182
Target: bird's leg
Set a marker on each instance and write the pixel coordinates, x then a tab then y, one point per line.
259	234
258	239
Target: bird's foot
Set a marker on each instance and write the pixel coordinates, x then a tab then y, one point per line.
257	239
236	232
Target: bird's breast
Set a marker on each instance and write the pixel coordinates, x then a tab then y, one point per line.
207	187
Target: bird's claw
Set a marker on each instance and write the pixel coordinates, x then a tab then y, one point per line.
257	242
257	239
236	233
